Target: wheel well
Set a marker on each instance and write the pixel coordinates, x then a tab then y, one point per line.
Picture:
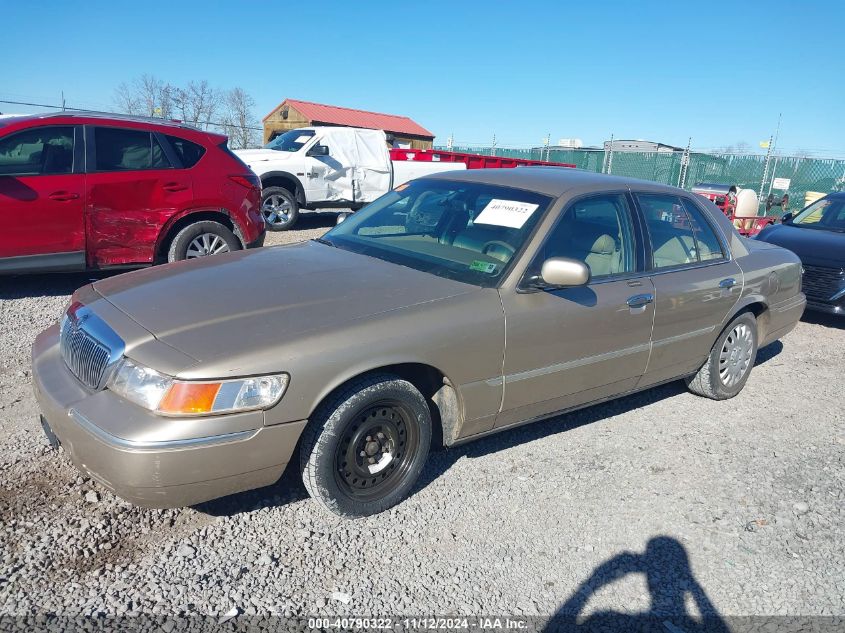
285	182
439	394
191	218
761	312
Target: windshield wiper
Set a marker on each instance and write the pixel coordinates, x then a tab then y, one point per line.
323	240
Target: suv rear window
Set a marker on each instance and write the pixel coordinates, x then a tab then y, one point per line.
188	152
120	149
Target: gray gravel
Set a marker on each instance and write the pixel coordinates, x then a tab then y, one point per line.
595	510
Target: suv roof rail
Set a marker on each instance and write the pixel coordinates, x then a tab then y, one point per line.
117	116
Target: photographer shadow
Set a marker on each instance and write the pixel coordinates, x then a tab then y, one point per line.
665	565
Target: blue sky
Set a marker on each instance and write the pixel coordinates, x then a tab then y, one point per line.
720	72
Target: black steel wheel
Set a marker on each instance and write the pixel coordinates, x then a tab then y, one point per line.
366	445
377	450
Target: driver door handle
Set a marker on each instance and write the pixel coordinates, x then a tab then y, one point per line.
174	186
730	282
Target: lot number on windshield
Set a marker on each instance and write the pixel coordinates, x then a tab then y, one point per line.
506	213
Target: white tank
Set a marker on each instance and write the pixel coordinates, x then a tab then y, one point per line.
746	203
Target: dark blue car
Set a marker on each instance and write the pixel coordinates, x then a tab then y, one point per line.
817	235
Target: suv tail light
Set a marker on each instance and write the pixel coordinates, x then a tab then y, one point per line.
250	182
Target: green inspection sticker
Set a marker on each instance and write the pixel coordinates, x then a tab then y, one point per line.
483	267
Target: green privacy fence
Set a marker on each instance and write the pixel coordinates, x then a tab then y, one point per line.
744	170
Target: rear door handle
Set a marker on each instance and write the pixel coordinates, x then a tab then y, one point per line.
640	301
730	282
63	196
174	186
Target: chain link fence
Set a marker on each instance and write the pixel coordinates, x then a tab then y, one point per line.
748	171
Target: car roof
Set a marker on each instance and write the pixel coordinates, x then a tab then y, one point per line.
552	181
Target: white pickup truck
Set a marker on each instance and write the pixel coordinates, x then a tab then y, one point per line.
328	168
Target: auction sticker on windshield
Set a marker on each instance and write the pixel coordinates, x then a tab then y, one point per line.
510	213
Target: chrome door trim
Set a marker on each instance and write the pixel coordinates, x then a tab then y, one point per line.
685	335
587	360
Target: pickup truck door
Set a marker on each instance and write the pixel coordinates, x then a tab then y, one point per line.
571	346
696	284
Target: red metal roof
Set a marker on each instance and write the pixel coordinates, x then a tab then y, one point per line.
319	113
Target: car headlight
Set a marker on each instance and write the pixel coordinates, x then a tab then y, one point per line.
168	396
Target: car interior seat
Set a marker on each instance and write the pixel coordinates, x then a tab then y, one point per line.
56	159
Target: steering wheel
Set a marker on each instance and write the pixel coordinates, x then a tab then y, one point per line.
498	243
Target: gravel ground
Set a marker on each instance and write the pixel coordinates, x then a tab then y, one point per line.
623	506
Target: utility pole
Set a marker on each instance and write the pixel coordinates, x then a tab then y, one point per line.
608	157
546	145
682	177
63	100
450	142
493	149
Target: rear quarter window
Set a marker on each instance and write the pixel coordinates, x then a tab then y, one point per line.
189	153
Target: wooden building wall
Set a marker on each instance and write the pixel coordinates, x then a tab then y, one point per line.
275	123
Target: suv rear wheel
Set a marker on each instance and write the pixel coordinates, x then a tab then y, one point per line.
279	208
201	239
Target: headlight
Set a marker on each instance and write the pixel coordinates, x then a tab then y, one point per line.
168	396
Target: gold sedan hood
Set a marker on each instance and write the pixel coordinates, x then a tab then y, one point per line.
224	305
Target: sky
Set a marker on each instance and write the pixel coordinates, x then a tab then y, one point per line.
719	72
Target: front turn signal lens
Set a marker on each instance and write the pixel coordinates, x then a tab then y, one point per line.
190	398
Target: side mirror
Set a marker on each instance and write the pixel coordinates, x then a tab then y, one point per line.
318	150
786	217
561	272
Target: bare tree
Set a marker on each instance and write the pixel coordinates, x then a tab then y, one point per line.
145	96
126	99
197	103
238	121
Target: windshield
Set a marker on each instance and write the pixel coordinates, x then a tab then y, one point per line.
465	231
827	214
290	141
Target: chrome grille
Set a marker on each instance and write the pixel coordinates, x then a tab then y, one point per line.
85	356
822	283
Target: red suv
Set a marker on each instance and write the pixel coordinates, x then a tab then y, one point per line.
90	191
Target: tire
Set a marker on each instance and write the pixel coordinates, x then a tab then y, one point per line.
201	239
279	208
722	378
366	445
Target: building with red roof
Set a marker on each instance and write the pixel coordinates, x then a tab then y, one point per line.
292	113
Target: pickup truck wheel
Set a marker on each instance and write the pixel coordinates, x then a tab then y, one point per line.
731	359
200	239
279	208
365	446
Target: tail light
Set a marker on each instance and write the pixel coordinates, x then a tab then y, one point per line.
250	182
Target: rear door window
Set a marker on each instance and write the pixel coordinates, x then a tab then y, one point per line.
119	149
188	152
673	241
709	246
37	151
